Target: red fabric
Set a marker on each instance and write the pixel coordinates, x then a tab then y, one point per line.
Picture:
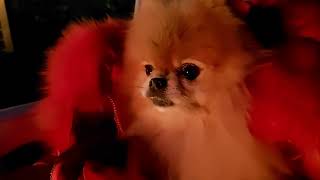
285	109
285	102
301	17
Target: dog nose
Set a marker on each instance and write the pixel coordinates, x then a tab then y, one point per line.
158	83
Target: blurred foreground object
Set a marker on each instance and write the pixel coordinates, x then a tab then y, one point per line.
5	34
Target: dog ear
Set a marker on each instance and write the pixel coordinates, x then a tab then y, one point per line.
78	74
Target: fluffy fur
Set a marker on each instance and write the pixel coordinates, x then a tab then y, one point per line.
77	69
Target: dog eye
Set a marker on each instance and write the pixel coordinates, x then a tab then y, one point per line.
148	68
189	71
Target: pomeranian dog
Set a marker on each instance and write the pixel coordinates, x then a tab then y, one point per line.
177	83
181	87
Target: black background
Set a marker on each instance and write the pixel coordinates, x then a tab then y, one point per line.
35	26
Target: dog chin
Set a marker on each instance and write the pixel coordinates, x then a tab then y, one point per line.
161	102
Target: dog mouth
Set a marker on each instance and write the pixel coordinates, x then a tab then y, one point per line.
162	102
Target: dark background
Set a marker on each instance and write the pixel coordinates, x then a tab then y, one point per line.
35	26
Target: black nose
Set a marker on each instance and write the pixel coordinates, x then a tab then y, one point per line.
158	83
